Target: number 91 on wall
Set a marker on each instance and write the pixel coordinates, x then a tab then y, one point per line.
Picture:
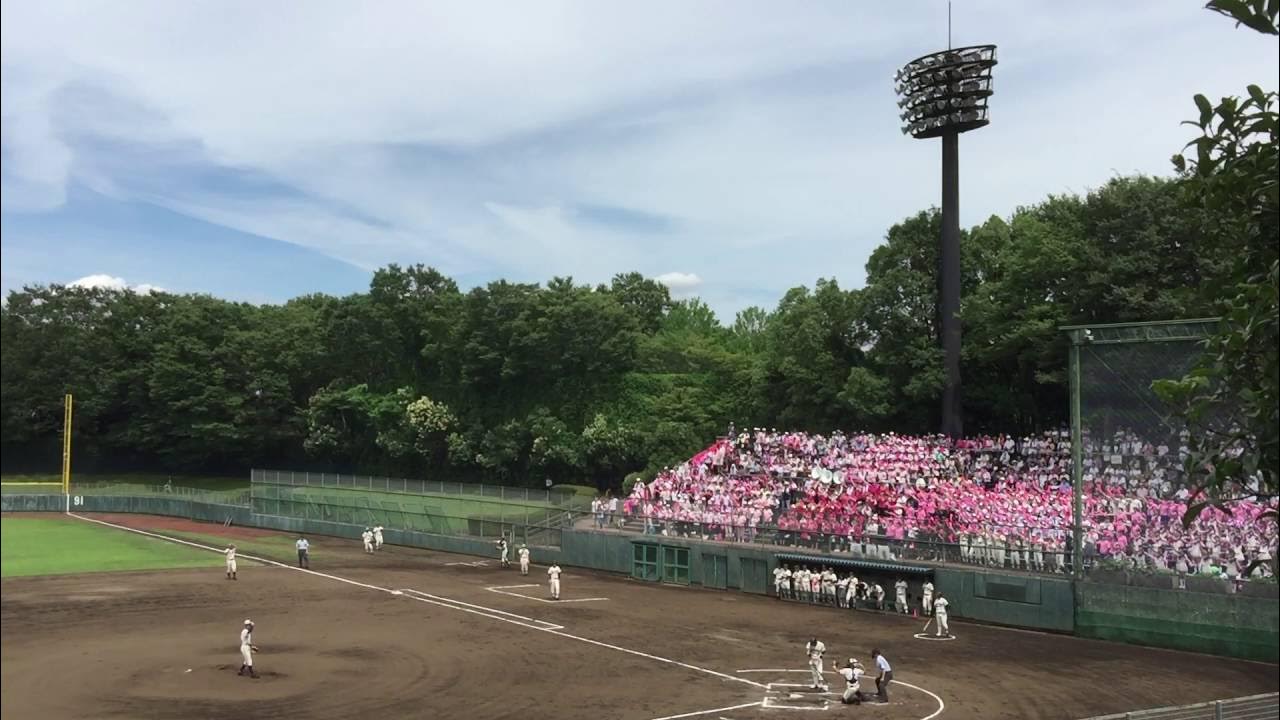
77	500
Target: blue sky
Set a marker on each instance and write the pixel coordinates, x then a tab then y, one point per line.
734	149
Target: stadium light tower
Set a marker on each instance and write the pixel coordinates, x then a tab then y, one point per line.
942	95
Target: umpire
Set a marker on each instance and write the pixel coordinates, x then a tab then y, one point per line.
303	546
884	676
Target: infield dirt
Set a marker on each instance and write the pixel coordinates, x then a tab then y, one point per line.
165	645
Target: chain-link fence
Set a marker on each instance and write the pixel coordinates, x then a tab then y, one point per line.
566	499
1130	454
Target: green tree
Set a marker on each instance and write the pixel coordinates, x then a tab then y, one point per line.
1230	399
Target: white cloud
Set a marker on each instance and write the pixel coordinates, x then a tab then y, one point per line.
110	282
468	135
679	283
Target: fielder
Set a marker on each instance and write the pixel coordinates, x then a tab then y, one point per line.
367	537
814	648
377	537
230	552
247	649
928	597
900	596
852	674
940	614
524	559
502	552
553	572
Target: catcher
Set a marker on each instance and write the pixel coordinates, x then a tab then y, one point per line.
852	674
247	649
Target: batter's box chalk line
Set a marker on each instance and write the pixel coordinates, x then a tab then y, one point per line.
769	703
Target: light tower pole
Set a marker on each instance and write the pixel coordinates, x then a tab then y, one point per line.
942	95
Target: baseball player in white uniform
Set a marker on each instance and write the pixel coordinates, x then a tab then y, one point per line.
851	595
367	537
927	595
524	559
553	572
814	649
247	649
230	552
940	614
900	596
829	586
503	551
377	537
777	581
852	674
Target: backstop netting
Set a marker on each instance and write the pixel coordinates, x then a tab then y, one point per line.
1133	449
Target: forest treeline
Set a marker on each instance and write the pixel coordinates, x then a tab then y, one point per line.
517	383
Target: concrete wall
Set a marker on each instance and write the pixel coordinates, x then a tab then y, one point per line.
1026	601
1234	625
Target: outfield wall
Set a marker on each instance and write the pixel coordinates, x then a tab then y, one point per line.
1232	625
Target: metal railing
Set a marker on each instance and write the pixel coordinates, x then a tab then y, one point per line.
923	548
412	486
1254	707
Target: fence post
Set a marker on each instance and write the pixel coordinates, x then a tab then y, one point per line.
1217	710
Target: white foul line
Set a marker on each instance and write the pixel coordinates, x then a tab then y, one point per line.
502	589
540	624
442	602
708	712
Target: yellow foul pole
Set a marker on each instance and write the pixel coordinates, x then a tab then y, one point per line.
66	446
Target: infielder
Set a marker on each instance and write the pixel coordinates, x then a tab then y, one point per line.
502	552
940	614
852	674
367	537
524	559
230	552
303	548
247	649
377	537
814	649
900	595
927	594
553	572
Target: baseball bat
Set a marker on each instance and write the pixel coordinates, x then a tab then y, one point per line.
926	626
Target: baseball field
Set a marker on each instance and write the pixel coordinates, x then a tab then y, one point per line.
102	617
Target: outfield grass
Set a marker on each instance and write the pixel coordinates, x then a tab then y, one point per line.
272	547
59	546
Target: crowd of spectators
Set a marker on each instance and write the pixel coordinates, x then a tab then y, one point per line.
993	500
